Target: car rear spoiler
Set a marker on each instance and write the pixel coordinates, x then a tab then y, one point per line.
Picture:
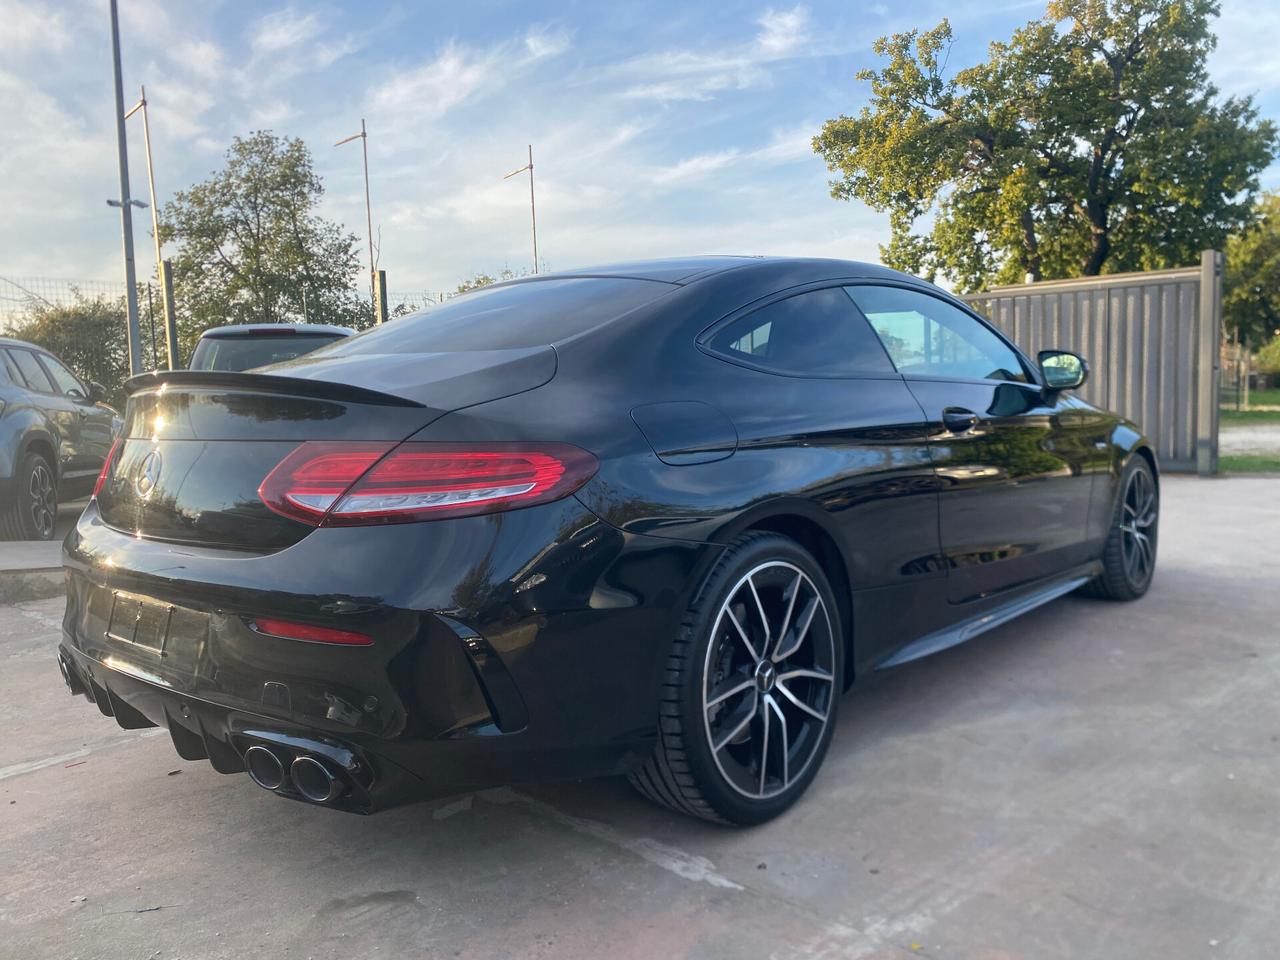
264	383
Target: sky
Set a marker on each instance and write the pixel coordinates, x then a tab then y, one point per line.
658	128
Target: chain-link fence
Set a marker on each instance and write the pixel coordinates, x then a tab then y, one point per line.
19	295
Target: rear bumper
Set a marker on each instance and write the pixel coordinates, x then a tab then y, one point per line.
505	649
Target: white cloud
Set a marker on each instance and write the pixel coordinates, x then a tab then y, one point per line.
455	75
782	31
788	145
542	43
685	75
696	167
283	30
689	75
1238	66
33	28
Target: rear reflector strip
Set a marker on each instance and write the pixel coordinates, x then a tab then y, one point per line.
309	632
355	484
105	472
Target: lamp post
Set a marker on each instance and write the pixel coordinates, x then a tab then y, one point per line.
533	210
162	274
363	137
125	204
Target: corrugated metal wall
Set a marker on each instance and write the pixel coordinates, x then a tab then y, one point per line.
1151	340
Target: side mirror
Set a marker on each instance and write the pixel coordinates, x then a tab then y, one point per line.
1062	370
97	392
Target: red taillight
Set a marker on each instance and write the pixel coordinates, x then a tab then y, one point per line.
351	484
107	464
306	631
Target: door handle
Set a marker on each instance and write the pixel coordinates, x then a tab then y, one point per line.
958	419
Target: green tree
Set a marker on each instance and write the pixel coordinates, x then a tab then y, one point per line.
89	336
1092	141
252	249
483	280
1269	356
1251	285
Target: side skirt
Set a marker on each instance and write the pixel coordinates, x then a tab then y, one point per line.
971	627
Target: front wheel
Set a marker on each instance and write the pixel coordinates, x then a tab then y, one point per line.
33	512
1129	556
751	687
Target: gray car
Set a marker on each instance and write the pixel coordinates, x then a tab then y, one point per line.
55	434
243	346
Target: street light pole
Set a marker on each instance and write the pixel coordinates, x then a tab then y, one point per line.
363	137
533	210
162	276
125	204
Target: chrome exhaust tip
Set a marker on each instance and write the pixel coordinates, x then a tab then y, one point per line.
265	768
312	779
69	675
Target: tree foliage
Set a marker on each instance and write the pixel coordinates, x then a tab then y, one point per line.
252	248
1251	285
484	279
90	336
1092	141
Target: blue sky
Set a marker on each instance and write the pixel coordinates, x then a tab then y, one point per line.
658	128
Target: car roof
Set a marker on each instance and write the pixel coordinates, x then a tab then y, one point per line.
267	329
683	270
15	342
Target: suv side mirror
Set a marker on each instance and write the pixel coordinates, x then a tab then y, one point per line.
97	392
1062	370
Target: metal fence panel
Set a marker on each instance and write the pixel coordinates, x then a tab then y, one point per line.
1151	340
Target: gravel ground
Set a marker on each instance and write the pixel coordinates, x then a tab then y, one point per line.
1249	438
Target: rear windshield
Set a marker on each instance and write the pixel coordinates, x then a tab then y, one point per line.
244	353
528	314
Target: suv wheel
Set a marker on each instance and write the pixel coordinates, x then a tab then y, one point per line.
33	512
751	687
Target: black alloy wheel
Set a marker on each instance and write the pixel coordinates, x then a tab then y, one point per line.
1129	557
753	684
32	513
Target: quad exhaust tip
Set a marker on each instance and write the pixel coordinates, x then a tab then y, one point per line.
265	768
312	779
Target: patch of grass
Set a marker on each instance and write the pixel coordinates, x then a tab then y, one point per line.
1265	398
1231	415
1249	463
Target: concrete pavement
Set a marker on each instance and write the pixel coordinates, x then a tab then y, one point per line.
1094	780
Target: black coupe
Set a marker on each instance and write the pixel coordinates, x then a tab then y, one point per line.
651	518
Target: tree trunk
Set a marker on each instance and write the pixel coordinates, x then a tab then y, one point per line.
1031	247
1098	253
1100	248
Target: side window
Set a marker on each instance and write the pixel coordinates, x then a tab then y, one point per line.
929	336
66	381
814	334
32	372
8	372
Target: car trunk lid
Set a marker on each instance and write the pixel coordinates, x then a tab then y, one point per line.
196	445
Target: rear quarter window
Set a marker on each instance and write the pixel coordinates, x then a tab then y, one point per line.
814	334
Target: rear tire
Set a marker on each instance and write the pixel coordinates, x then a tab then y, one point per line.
751	687
1129	556
32	513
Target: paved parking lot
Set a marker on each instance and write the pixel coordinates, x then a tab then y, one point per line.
1096	780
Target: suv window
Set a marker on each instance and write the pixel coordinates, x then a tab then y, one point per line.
814	334
8	370
66	381
925	335
32	372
